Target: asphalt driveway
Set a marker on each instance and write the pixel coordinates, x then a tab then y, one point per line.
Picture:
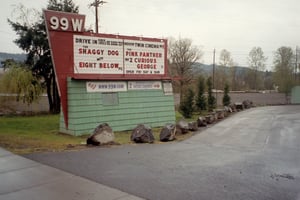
254	154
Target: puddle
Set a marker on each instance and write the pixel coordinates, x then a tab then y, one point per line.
286	176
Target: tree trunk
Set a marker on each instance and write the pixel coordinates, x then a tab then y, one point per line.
255	86
56	99
181	84
48	88
52	94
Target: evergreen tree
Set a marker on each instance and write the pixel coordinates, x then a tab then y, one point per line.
211	100
256	60
32	38
201	99
186	106
226	97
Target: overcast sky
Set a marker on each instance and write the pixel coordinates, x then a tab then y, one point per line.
235	25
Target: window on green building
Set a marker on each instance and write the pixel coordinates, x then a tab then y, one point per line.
110	99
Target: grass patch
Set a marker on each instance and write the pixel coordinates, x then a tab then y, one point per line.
27	134
23	135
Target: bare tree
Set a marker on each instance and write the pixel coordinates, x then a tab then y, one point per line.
182	56
256	61
297	65
284	68
225	58
222	75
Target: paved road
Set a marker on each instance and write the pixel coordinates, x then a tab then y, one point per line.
23	179
254	154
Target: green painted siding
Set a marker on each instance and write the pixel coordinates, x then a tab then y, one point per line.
295	97
86	110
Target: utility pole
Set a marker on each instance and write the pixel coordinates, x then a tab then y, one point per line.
213	75
214	65
96	4
296	65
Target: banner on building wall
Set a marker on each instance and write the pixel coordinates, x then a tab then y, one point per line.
106	86
144	85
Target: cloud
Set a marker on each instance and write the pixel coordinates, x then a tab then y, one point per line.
234	25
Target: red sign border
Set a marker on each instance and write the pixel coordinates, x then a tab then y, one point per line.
62	45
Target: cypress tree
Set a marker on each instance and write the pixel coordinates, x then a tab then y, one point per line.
226	97
186	106
201	99
211	100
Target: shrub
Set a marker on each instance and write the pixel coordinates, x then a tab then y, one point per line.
211	100
226	97
201	99
186	106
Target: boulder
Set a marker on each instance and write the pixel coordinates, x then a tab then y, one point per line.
247	104
239	106
182	127
228	109
201	122
233	108
103	134
215	116
220	114
209	119
193	126
142	134
167	133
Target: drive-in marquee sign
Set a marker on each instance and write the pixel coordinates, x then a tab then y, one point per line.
118	56
103	54
81	54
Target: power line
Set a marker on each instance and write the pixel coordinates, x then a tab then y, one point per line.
96	4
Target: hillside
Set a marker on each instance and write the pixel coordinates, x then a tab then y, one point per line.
207	70
244	77
14	56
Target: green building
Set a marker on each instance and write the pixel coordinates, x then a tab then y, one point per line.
148	102
295	95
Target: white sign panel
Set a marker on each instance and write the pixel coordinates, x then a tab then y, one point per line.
94	55
144	85
106	86
143	57
98	55
168	89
